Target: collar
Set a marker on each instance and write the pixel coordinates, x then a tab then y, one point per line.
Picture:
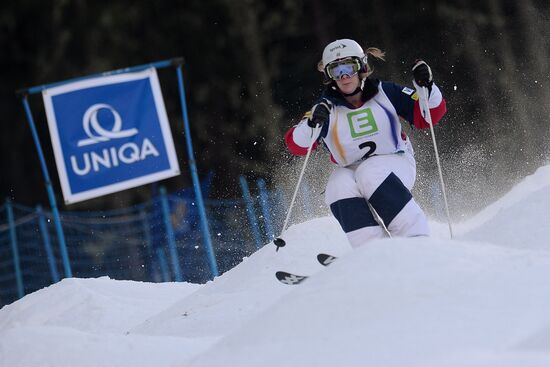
369	90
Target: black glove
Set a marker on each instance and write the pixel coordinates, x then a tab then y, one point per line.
320	115
422	74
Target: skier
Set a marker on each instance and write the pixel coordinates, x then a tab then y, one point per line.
357	118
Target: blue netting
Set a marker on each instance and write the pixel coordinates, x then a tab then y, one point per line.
130	243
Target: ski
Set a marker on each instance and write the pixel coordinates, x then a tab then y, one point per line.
326	259
290	279
293	279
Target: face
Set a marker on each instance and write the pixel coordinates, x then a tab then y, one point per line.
348	84
345	73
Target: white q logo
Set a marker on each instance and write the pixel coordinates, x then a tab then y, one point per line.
99	134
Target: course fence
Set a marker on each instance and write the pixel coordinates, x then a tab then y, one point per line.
156	241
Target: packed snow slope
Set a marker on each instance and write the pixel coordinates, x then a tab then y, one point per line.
481	299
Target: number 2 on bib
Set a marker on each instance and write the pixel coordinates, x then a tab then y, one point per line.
370	145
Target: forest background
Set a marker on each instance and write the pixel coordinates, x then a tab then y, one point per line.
250	74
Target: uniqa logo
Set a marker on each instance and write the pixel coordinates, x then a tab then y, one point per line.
111	157
90	121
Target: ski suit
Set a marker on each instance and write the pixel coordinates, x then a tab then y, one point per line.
374	158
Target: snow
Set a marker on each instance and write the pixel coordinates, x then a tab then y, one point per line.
480	299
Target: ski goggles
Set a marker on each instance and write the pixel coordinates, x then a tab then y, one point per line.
337	69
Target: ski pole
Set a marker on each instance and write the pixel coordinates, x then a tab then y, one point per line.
378	219
279	242
423	95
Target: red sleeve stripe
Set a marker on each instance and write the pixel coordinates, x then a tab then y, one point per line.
436	113
292	146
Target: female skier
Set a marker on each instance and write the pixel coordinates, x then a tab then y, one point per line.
357	118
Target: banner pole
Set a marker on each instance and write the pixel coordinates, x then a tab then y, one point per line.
156	65
194	175
51	195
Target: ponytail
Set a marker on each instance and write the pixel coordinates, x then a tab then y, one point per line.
376	53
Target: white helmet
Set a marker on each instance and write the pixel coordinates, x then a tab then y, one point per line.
343	48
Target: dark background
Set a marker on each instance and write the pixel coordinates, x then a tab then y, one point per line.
250	73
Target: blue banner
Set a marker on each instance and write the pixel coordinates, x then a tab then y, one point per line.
109	134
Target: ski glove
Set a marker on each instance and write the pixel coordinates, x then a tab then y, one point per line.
422	74
320	115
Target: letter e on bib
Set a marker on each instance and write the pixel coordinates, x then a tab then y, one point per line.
362	123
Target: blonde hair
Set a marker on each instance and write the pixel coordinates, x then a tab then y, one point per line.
374	51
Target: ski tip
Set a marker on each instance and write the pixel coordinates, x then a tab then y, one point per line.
326	259
288	278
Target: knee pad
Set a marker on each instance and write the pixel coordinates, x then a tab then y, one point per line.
353	214
390	198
